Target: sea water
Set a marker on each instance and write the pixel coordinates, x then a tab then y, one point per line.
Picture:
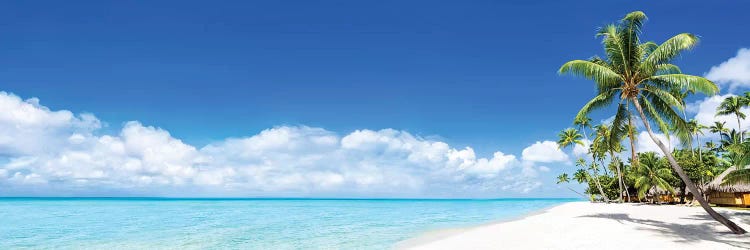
165	223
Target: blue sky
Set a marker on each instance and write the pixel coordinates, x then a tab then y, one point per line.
480	74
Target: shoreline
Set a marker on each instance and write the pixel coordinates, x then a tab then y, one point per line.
585	225
438	234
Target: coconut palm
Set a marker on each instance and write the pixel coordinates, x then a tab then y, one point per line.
739	155
730	138
641	75
718	128
651	175
594	169
563	178
569	137
711	146
581	176
611	145
732	106
697	130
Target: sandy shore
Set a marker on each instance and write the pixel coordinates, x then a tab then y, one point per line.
584	225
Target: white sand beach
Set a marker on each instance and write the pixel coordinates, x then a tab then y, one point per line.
584	225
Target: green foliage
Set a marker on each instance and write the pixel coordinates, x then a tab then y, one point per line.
641	72
563	178
731	106
609	185
652	172
741	159
569	137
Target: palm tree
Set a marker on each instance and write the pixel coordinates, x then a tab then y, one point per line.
569	137
612	145
711	146
718	128
697	130
581	176
641	74
594	170
740	174
652	174
731	106
563	178
584	123
730	138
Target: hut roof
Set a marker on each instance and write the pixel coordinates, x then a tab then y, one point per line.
716	183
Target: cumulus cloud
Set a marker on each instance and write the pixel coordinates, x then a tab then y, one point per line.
581	150
705	112
50	152
545	152
734	72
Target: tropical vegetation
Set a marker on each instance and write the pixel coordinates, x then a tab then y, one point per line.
648	94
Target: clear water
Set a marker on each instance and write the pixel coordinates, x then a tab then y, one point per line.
138	223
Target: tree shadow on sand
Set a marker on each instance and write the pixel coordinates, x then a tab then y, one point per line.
704	231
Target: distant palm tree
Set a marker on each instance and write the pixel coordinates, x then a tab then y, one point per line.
569	137
563	178
610	144
583	123
711	146
741	158
641	74
581	163
718	128
732	106
730	138
652	174
695	130
581	176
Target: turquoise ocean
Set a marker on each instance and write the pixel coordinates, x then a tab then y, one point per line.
167	223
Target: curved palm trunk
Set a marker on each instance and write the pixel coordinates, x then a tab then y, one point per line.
584	196
619	175
690	185
739	128
700	151
599	186
596	175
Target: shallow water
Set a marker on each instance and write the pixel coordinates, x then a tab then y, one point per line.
137	223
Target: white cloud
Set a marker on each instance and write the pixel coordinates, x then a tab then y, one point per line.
705	112
581	150
734	72
545	151
49	152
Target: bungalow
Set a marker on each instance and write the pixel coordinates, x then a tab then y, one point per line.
723	194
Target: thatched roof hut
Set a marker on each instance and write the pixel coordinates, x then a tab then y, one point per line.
737	194
717	186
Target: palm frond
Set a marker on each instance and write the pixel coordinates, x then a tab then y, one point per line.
666	68
671	49
620	123
602	75
599	101
688	82
741	176
652	114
